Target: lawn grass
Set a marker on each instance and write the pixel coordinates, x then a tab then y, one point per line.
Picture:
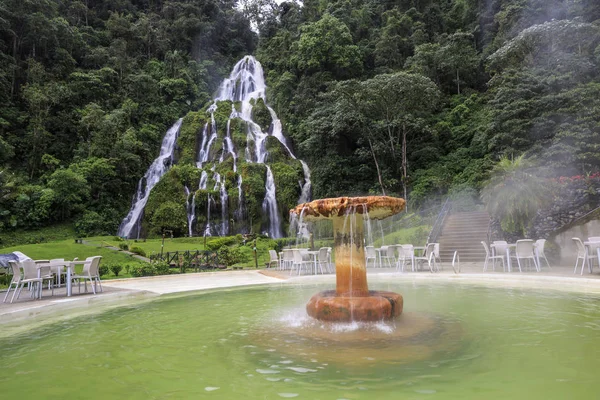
42	235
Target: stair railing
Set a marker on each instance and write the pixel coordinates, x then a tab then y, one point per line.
436	229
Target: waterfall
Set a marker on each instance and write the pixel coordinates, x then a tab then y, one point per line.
244	87
224	207
207	230
202	145
191	210
204	152
203	180
156	170
269	206
307	186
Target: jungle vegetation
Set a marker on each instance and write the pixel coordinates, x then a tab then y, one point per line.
416	98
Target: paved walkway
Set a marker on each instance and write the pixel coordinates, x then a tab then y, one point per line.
27	312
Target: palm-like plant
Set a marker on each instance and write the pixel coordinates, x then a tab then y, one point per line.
513	194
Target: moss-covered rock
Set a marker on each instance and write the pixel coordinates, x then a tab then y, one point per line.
253	186
222	114
288	177
187	174
277	151
189	137
261	115
168	189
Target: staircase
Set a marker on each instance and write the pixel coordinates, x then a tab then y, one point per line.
464	231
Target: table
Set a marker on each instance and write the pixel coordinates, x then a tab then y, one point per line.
67	264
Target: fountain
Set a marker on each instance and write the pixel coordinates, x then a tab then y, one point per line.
352	300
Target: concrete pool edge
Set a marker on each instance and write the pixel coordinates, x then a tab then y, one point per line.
138	290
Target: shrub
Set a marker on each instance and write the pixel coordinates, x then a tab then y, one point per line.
231	255
144	269
162	268
103	270
127	268
138	250
218	243
124	246
116	268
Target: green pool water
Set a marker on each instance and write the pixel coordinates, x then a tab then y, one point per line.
476	343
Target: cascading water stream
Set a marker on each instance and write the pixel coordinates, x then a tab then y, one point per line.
307	186
191	210
203	180
207	229
270	206
156	170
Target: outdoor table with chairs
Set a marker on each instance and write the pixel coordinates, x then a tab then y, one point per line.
297	259
524	249
35	272
401	254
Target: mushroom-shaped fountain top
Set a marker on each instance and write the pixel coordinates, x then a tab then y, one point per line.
378	207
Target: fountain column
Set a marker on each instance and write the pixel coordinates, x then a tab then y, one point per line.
351	271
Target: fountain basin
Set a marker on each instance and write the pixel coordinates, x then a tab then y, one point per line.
377	306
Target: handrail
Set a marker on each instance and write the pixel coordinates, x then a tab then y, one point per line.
202	259
436	229
575	221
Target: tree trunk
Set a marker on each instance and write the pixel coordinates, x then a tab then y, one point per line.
377	167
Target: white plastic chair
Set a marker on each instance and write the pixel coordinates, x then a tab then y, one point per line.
428	256
383	255
370	254
499	248
273	259
524	250
90	272
436	253
15	280
583	255
323	258
539	252
489	256
30	275
299	261
408	253
287	259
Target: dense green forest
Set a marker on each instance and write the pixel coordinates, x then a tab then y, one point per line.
416	98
